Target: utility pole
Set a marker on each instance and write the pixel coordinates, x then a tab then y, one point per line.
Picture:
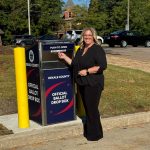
128	13
29	24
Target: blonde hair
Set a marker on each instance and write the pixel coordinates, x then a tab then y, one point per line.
93	31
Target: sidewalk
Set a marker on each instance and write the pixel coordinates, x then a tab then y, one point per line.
135	137
37	134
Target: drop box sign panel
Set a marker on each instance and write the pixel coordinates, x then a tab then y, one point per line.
54	48
33	82
59	95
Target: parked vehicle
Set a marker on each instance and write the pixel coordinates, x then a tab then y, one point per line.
73	34
100	39
76	34
23	40
124	38
47	37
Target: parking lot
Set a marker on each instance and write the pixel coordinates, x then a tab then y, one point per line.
135	53
130	57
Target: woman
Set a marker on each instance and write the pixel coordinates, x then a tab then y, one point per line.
88	65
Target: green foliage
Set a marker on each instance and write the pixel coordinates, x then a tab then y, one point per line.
116	15
96	18
94	7
140	16
45	17
98	22
79	21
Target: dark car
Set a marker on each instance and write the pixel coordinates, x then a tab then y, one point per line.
23	40
47	37
124	38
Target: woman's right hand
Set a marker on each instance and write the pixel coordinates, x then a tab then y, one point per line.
61	55
64	57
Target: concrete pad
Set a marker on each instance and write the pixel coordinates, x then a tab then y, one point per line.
11	123
36	132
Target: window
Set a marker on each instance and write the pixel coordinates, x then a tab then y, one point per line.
78	32
69	32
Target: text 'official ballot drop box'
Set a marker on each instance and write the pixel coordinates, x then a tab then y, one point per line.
50	83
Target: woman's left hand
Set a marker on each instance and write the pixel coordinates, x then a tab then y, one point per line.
82	72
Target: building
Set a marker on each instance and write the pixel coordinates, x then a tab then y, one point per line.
68	14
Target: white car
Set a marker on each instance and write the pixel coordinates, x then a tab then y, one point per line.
100	39
73	34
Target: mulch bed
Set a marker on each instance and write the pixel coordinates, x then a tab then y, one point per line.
4	130
6	50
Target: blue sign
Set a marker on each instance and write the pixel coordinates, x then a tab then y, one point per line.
59	95
33	84
34	94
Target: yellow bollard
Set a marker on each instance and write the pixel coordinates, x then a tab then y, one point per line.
21	87
79	104
76	48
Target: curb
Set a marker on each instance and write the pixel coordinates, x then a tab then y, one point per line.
125	120
66	130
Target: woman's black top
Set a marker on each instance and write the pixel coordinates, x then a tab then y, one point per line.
94	56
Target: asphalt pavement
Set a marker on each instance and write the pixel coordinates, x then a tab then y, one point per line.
140	53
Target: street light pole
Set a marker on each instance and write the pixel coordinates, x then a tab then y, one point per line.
29	24
128	9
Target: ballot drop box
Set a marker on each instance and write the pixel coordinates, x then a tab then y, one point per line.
50	83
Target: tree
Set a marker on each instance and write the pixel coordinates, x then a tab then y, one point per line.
96	17
139	16
104	15
116	14
12	17
80	16
94	7
49	16
45	16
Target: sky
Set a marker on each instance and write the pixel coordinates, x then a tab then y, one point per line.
79	1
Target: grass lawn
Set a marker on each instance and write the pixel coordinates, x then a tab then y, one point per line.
126	90
7	78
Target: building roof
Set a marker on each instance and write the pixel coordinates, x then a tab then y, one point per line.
69	4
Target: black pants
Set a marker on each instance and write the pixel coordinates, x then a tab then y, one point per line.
91	97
